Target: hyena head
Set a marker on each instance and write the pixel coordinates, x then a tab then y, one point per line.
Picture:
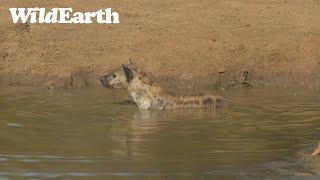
116	79
133	73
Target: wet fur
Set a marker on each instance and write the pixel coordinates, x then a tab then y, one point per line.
149	95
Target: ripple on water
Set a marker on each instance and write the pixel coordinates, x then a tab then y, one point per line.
86	134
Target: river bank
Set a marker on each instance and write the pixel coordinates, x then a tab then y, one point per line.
184	45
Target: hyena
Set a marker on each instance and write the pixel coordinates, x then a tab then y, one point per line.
149	95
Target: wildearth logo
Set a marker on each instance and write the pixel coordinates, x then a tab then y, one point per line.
63	16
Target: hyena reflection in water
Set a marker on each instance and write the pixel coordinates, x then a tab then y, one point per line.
149	95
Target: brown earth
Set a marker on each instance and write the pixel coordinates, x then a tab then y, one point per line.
183	44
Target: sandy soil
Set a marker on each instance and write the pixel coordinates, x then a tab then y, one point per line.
183	44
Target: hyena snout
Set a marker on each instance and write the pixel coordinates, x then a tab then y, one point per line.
106	80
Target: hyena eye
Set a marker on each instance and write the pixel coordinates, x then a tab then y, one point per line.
114	76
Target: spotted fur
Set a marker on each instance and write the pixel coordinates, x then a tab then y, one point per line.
149	95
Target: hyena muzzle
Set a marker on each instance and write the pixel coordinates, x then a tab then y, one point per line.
116	79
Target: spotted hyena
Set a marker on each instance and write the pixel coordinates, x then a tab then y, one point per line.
149	95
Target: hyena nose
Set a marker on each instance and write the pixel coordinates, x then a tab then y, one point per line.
103	80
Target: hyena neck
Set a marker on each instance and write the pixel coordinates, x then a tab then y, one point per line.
147	94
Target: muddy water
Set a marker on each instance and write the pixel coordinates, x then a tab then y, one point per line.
89	134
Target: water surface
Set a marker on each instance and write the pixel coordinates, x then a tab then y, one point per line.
87	133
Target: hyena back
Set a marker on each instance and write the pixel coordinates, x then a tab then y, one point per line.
149	95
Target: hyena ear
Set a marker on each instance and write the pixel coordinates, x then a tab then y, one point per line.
130	61
128	72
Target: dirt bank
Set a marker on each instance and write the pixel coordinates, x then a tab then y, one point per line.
184	44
